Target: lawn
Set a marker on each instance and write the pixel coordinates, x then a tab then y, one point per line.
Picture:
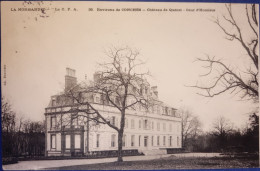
172	162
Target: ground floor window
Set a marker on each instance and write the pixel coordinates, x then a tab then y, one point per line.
67	141
170	141
113	140
53	141
152	141
124	140
132	140
164	140
158	140
178	141
97	140
139	140
146	141
77	141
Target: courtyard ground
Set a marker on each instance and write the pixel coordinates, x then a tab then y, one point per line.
170	161
173	162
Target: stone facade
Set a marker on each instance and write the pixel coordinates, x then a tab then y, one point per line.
156	129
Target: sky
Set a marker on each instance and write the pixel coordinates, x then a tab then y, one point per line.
37	47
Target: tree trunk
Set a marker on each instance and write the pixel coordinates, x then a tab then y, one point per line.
120	143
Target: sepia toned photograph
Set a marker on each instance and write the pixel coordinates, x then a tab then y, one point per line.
129	85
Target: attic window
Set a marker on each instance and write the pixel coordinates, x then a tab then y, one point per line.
53	102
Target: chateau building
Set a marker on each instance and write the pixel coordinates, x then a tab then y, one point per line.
156	129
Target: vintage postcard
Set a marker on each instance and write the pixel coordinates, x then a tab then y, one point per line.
129	85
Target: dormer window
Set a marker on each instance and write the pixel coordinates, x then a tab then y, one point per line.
53	102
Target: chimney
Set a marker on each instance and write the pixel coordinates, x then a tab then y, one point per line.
70	79
154	90
97	76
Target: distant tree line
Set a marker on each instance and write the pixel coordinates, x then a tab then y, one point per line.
20	137
222	138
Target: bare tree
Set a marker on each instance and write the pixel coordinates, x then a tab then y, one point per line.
191	126
228	78
222	127
121	84
7	116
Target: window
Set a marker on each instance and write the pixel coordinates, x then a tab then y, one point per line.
53	141
97	100
113	120
126	123
173	112
113	140
104	99
77	141
140	124
158	109
170	141
164	127
53	102
152	141
145	124
145	141
53	121
158	126
132	140
152	126
164	140
117	101
178	142
98	136
139	140
132	123
166	110
158	140
124	140
67	141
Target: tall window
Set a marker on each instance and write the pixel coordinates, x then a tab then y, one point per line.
113	140
67	141
140	124
53	141
152	141
77	141
164	140
158	126
139	140
152	126
158	140
126	123
145	124
170	141
98	136
53	121
132	123
132	140
124	140
145	141
178	142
